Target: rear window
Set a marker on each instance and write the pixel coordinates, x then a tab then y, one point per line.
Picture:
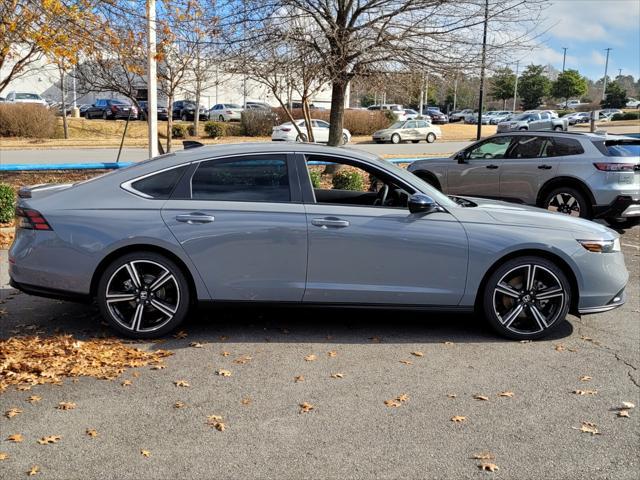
160	185
27	96
622	149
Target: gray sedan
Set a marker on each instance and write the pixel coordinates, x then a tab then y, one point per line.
244	223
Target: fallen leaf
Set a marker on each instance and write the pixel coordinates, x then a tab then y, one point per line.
196	345
225	354
219	426
33	470
158	367
484	456
179	405
12	412
332	353
245	401
452	395
490	467
337	375
403	397
181	383
480	397
584	378
34	399
458	418
215	421
223	373
588	427
628	405
127	383
181	334
406	362
213	418
16	438
3	456
306	407
66	406
559	347
417	354
585	392
448	343
23	388
146	453
375	339
135	374
49	439
298	379
91	432
310	358
223	338
525	341
624	413
392	403
506	394
242	360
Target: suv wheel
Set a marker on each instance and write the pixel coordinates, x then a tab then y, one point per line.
567	200
526	298
143	295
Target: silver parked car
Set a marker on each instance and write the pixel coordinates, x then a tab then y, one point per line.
243	223
581	174
533	121
411	130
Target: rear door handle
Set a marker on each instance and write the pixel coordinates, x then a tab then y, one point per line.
326	222
195	217
544	167
492	167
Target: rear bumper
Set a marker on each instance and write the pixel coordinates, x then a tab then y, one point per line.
623	206
50	292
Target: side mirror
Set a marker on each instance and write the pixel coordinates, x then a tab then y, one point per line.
421	203
461	157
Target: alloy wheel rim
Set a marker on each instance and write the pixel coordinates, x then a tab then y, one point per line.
528	299
142	296
564	203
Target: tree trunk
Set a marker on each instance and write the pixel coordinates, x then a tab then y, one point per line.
63	90
338	89
169	120
307	119
196	115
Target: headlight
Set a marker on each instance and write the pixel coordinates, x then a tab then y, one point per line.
601	246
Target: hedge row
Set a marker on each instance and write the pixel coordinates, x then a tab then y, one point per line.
627	116
26	120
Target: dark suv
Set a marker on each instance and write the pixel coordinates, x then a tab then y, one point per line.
184	110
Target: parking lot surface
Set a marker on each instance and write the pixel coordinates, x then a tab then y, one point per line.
427	367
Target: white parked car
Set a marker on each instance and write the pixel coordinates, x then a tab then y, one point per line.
633	103
410	130
25	97
288	133
460	115
225	112
571	104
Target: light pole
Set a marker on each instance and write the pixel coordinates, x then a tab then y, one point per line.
455	91
482	65
564	57
515	87
152	80
606	67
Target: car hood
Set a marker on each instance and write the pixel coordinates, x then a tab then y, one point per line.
526	216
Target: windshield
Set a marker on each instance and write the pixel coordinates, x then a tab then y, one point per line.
522	116
27	96
232	105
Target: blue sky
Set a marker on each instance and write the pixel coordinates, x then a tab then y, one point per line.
586	28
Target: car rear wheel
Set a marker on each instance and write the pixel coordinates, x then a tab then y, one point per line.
523	129
526	298
431	137
221	118
567	200
395	138
345	139
143	295
302	138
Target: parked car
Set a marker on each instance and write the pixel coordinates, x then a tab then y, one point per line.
571	104
633	103
231	223
437	117
83	109
226	112
582	174
553	113
533	121
410	130
500	116
258	106
609	112
110	109
577	117
25	97
411	114
288	133
185	109
396	108
459	115
162	110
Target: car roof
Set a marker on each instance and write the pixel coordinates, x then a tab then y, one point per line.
549	133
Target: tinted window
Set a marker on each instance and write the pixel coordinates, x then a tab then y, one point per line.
494	148
545	116
528	147
422	124
27	96
623	149
562	147
161	184
261	179
410	125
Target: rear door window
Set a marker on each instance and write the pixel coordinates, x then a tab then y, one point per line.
563	147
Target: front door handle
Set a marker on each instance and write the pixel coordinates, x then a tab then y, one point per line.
544	167
327	222
492	167
195	217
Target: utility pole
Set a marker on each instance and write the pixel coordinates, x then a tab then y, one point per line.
455	91
515	87
564	57
619	72
152	80
606	67
482	65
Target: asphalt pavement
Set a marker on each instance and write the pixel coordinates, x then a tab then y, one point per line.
350	433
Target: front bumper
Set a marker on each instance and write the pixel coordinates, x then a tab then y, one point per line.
617	301
623	206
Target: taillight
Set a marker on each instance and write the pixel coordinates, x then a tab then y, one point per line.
114	108
31	219
615	167
230	112
285	129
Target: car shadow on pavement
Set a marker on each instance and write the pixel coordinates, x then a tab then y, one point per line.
24	314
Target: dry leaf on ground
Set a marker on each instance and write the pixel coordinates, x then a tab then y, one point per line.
242	360
458	418
489	467
15	438
402	397
584	378
452	395
480	397
34	399
49	439
196	345
306	407
484	456
33	470
337	375
392	403
179	405
66	406
181	334
145	453
225	354
559	347
627	405
417	354
448	343
624	413
12	412
585	392
406	362
223	373
4	456
298	378
332	353
158	367
91	432
181	383
588	427
126	383
506	394
245	401
310	358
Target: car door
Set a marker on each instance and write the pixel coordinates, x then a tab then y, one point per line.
540	122
422	127
477	170
366	254
320	130
531	161
241	221
410	131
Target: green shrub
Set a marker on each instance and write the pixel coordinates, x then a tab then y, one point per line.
191	131
316	178
179	130
348	180
258	123
27	120
7	203
626	116
215	129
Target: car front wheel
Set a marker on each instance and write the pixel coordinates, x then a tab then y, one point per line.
395	138
431	137
143	295
526	298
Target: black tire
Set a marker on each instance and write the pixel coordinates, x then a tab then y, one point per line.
558	128
173	294
415	141
522	129
395	139
622	223
430	179
501	310
221	118
579	208
104	115
183	117
302	138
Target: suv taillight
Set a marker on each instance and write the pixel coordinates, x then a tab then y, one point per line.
31	219
615	167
